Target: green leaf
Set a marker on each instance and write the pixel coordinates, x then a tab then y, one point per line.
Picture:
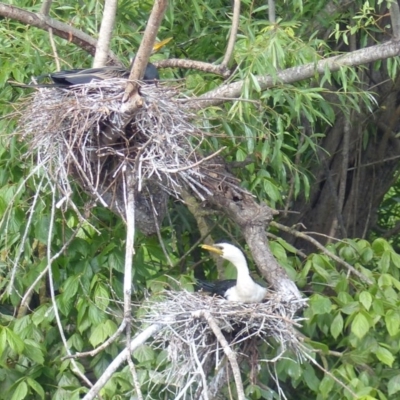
101	297
384	356
70	287
337	325
116	261
20	391
36	387
33	351
360	325
395	259
380	245
378	307
42	229
101	332
144	353
278	251
394	385
320	304
3	340
14	341
384	262
392	321
310	378
326	386
366	299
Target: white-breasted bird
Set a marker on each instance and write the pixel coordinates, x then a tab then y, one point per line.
242	289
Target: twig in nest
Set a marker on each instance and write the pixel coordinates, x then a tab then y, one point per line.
228	351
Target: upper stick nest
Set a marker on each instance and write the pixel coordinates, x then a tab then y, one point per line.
80	132
192	346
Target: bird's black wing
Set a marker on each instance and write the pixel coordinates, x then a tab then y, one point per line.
82	76
217	287
69	77
151	73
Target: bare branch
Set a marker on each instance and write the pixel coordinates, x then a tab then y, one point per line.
106	29
104	345
135	343
45	9
317	244
60	29
306	71
192	64
395	19
233	34
129	183
54	48
131	99
139	394
75	369
271	11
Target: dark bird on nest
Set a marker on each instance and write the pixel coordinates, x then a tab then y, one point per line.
243	289
81	76
66	78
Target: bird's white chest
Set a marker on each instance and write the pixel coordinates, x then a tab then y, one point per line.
246	291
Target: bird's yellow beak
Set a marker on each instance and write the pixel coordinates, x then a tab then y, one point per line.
212	249
159	45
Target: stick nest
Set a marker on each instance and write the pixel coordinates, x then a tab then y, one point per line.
195	351
80	133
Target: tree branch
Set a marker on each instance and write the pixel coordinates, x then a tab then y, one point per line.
395	19
131	99
60	29
192	64
45	8
106	29
121	357
298	73
319	246
233	34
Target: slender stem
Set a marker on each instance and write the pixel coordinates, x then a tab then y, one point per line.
116	363
233	34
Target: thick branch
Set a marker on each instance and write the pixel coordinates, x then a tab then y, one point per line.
105	34
295	74
131	100
192	64
60	29
395	19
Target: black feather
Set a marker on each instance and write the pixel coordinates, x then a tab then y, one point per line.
217	287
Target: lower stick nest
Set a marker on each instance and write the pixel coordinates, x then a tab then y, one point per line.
80	134
195	348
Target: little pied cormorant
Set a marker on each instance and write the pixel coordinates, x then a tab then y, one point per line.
67	78
71	77
243	289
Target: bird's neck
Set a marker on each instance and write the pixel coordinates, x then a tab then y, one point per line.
242	269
